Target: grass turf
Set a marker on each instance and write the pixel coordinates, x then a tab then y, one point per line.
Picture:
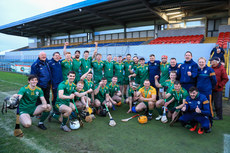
98	136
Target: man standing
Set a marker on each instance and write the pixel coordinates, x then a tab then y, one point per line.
86	62
28	96
128	64
222	79
196	109
119	69
173	65
67	65
56	71
218	53
188	72
108	68
164	68
75	61
154	69
134	68
206	80
41	69
142	72
97	66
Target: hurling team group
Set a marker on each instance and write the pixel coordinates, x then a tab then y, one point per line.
190	91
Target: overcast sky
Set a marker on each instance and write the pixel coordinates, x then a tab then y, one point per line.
14	10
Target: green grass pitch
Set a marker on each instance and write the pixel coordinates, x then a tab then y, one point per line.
98	136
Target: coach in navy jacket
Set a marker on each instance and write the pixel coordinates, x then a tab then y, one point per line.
56	71
154	69
196	108
41	69
188	72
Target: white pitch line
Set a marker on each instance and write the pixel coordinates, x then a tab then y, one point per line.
25	140
226	143
12	82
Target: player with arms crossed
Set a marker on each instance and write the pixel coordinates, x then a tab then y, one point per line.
28	96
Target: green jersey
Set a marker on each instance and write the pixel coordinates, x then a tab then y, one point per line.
29	96
88	84
101	95
135	65
143	73
66	67
76	98
76	68
113	89
68	90
126	67
179	96
169	84
108	70
85	65
131	91
97	70
119	69
164	68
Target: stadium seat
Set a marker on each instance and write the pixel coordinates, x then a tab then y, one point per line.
178	39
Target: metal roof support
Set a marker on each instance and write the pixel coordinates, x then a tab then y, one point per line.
155	11
103	16
125	33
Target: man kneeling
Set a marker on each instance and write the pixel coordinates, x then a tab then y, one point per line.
197	109
148	98
66	93
28	96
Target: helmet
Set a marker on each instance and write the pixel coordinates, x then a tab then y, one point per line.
74	125
119	103
11	102
142	119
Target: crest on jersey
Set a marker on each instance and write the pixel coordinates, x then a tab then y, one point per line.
205	71
189	67
155	63
37	93
198	102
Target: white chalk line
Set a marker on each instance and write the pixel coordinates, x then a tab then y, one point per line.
226	143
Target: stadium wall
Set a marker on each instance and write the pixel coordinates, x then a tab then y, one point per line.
182	32
224	28
171	50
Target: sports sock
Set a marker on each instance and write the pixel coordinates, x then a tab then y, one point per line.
159	110
44	116
65	119
150	112
55	116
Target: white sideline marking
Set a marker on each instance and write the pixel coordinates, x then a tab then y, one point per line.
226	143
28	142
12	82
25	140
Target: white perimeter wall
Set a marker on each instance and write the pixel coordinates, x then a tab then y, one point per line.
171	50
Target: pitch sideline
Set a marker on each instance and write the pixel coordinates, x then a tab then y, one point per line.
25	140
226	143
